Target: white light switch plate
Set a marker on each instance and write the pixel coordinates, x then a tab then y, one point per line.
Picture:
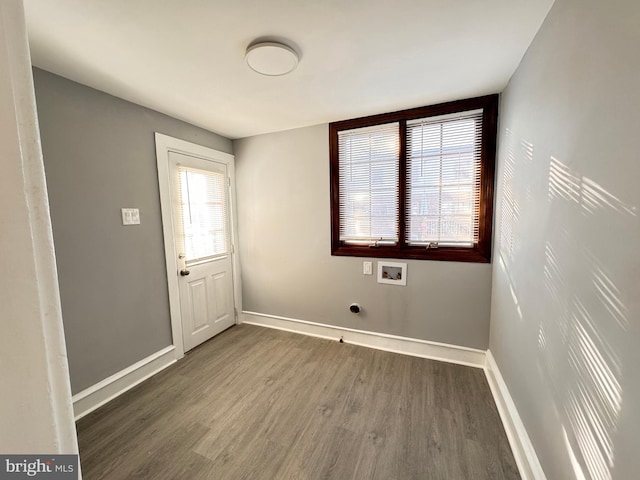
130	216
367	268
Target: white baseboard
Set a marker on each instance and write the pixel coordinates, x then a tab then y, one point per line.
381	341
523	451
102	392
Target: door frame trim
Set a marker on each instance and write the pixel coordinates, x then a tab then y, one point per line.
164	145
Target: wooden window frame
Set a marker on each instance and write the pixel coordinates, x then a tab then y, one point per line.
480	252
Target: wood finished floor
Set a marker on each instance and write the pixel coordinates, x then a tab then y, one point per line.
256	403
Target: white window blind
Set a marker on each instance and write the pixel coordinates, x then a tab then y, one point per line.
368	184
202	214
443	185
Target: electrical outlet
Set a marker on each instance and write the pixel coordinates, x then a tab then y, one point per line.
367	268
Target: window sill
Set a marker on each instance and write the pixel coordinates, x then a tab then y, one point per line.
446	254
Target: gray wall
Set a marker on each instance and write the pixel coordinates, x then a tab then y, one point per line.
287	268
99	155
565	326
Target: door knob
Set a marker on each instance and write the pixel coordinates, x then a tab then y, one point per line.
184	272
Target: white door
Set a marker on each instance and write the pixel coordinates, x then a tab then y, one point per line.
202	230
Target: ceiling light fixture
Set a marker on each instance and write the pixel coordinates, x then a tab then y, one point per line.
271	58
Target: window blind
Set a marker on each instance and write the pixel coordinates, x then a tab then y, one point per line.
202	214
368	184
443	185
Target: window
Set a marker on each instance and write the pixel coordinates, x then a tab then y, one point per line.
201	209
416	183
368	173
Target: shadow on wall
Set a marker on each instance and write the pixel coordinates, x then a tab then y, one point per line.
578	344
517	170
582	313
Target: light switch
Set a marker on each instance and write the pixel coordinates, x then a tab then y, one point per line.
367	268
130	216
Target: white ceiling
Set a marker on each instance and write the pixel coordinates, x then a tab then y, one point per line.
185	58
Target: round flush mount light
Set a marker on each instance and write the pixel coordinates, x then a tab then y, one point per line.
271	58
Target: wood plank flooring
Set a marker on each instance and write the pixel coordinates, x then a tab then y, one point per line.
257	403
